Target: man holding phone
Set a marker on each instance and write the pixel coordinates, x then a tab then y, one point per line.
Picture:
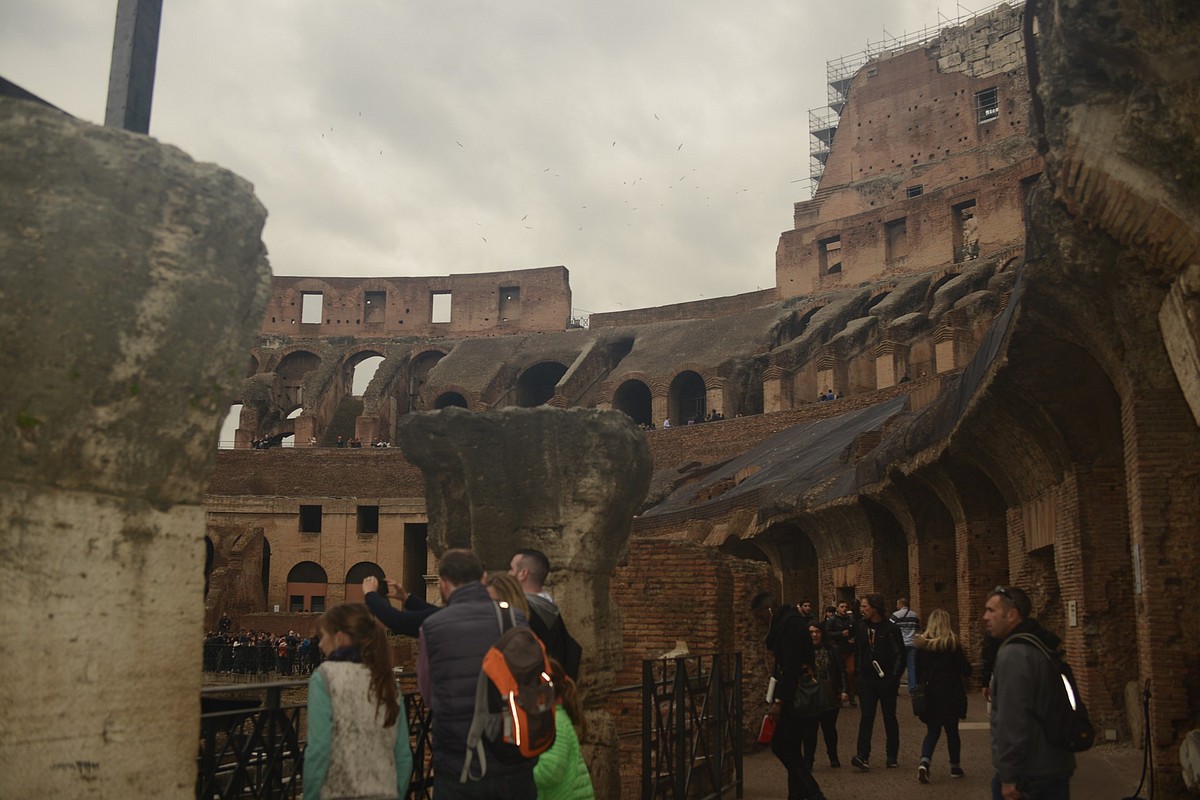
880	664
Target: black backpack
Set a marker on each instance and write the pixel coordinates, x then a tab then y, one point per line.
1066	723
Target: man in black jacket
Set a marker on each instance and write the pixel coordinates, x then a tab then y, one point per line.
880	663
530	568
788	639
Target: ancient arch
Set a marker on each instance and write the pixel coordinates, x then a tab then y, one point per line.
536	385
291	371
796	559
634	398
419	368
746	549
888	569
355	576
356	367
252	367
686	397
307	587
450	400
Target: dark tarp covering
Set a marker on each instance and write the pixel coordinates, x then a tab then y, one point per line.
805	464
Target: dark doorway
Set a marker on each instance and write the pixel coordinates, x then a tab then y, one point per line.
633	397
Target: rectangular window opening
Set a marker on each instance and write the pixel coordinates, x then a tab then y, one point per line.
829	253
896	233
296	603
374	306
510	302
965	232
311	307
987	105
318	604
914	191
439	307
310	519
368	519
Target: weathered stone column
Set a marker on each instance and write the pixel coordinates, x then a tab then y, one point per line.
566	482
132	280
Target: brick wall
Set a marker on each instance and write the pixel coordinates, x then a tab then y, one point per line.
672	589
697	309
404	306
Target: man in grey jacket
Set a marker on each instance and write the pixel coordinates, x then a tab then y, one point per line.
1027	766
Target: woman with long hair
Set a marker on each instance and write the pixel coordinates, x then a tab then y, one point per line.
357	735
942	670
560	772
504	587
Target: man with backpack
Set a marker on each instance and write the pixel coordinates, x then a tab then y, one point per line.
530	568
1028	766
454	642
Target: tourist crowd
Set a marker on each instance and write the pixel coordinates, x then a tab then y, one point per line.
250	652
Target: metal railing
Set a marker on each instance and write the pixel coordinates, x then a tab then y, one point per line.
692	731
252	740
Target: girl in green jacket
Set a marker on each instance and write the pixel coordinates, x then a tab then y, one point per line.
560	772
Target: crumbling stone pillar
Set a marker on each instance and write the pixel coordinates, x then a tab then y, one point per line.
566	482
133	280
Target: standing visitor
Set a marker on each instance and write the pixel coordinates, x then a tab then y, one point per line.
357	735
561	773
827	669
880	663
789	641
943	668
909	624
1027	766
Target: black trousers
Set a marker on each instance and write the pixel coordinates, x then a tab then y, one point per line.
827	723
881	693
786	747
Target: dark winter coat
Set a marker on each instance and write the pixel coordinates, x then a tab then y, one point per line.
944	675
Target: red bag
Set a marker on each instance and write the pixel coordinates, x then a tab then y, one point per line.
767	732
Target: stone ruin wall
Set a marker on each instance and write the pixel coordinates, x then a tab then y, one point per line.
911	124
480	304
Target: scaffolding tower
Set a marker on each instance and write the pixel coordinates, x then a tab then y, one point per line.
839	72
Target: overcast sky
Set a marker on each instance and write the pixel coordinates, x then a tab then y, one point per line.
653	148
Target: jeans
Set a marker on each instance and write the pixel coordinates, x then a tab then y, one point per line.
933	730
1050	787
910	654
882	692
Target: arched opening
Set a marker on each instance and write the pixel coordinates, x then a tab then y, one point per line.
291	371
307	588
745	549
418	373
876	300
361	373
889	554
536	384
797	561
633	397
209	553
354	579
227	439
252	367
450	400
686	399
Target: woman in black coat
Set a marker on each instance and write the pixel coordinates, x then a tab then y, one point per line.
942	670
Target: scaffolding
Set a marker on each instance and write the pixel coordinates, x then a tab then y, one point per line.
839	72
